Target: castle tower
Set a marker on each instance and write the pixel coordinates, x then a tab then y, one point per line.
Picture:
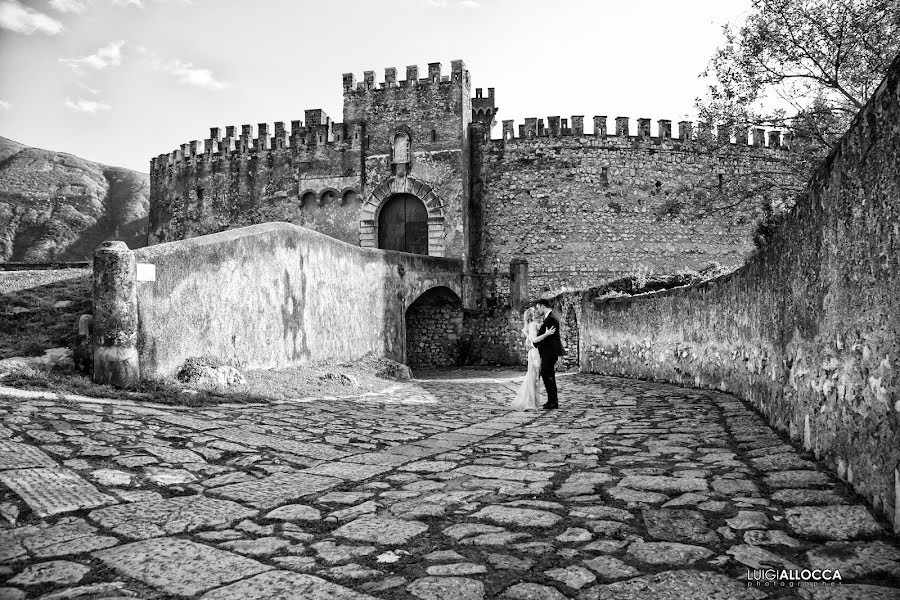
416	158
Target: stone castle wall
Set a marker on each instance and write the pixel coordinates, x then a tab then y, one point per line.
585	209
808	330
581	207
322	175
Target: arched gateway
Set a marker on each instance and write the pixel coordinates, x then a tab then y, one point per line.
403	225
403	213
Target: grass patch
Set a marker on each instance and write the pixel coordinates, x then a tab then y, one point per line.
159	392
40	309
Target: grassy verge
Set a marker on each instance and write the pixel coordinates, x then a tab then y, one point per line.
317	381
40	309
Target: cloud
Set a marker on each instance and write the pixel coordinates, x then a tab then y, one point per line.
188	74
109	55
86	106
87	88
69	6
4	105
140	3
22	19
463	3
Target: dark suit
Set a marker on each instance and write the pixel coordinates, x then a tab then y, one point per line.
550	348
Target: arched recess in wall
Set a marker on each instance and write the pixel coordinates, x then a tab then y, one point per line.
328	196
349	195
433	324
378	197
308	197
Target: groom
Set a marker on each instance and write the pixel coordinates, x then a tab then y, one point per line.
550	348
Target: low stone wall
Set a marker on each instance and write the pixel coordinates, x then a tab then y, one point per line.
808	330
276	294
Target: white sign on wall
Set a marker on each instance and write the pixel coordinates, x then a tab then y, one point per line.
145	272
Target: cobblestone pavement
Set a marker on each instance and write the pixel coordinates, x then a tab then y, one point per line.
431	491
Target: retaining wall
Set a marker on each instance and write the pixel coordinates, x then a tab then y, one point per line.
808	329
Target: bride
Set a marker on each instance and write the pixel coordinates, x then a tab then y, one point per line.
527	397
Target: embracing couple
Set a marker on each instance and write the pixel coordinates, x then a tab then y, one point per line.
541	333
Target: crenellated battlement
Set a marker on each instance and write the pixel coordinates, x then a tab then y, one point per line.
534	127
317	131
458	75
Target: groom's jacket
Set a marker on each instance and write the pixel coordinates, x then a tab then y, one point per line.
550	345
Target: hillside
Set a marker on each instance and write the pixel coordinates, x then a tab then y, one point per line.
56	206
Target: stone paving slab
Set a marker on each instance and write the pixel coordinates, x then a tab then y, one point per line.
434	491
179	567
313	450
66	537
54	491
141	520
276	489
284	585
348	470
14	455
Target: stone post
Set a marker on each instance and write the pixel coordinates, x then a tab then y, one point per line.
115	316
518	283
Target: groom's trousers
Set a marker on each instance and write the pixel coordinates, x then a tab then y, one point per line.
548	375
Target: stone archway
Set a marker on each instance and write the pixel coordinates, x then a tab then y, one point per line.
379	196
570	340
433	328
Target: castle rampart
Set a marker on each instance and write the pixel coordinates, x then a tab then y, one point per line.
559	127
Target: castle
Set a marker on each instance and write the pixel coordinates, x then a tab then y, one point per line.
412	168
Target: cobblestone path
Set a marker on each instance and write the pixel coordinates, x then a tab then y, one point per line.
432	491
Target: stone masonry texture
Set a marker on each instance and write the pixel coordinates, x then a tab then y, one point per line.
581	206
807	331
432	490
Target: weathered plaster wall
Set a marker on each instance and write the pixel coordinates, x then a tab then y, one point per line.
809	330
276	294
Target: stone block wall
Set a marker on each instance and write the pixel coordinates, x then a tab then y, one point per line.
433	328
808	330
312	176
588	209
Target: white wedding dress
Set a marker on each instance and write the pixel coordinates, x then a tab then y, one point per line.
527	397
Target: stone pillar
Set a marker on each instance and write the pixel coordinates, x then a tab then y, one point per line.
518	283
115	316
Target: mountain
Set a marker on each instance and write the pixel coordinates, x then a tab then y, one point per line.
59	207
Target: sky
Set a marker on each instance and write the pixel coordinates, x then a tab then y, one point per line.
121	81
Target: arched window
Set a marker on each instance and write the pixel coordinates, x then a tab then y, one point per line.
401	148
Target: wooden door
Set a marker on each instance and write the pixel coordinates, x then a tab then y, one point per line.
403	225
